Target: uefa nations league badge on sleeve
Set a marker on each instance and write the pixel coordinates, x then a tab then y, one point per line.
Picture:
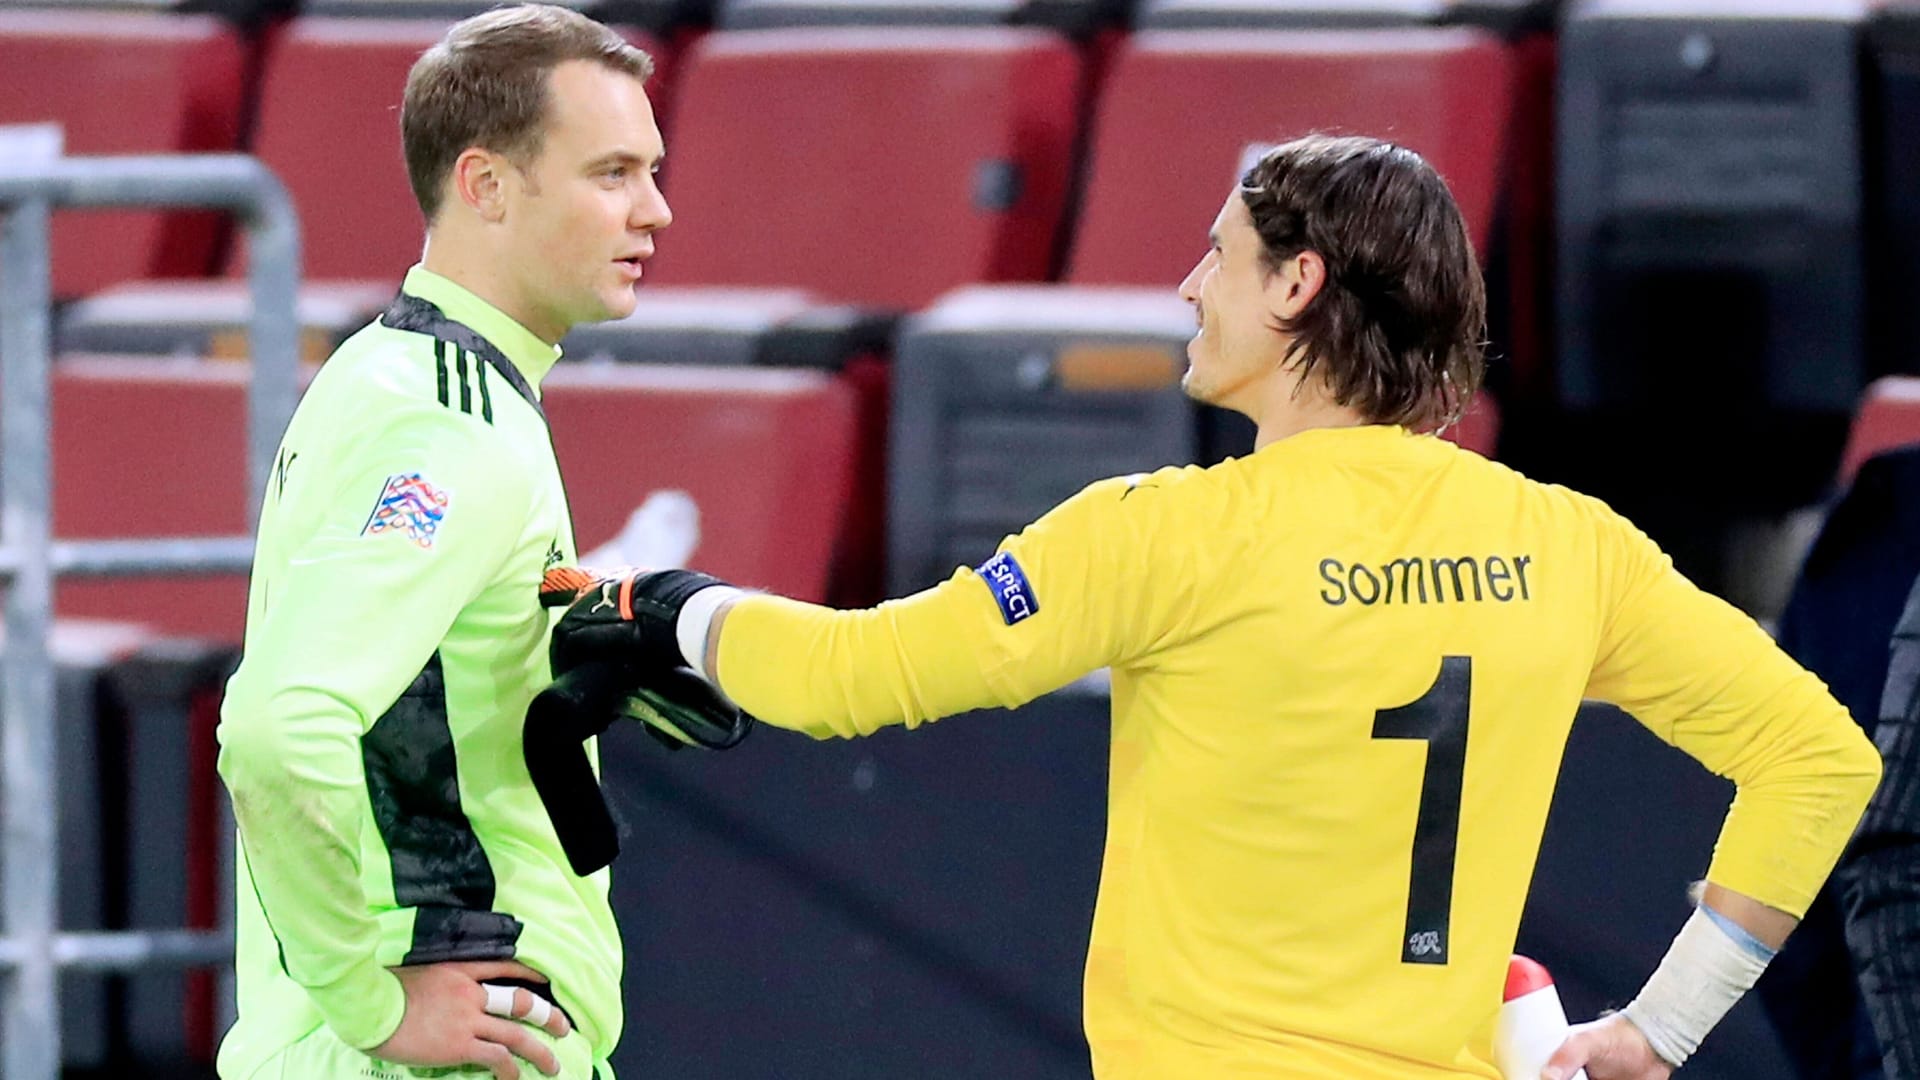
1011	589
411	506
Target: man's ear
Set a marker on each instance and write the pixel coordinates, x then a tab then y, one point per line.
1294	285
479	181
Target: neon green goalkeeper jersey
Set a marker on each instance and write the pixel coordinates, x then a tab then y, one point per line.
371	737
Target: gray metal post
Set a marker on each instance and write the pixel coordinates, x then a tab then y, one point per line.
29	559
222	181
31	1027
273	336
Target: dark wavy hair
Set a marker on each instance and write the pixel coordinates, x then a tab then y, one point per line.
1398	328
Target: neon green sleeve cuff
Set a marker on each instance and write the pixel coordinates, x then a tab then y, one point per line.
363	1006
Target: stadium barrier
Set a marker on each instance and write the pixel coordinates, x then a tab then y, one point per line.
33	948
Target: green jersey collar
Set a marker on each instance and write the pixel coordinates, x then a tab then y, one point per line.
532	356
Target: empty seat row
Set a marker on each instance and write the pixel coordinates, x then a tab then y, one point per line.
873	166
886	166
750	472
1077	17
946	162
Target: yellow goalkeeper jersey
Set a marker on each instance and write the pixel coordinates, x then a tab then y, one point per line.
1344	671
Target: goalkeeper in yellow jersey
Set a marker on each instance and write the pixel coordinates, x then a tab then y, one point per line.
1344	671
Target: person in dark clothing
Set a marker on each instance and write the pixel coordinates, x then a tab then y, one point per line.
1838	622
1880	879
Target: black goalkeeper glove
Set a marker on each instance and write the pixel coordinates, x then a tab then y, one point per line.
676	707
627	620
560	719
603	672
629	617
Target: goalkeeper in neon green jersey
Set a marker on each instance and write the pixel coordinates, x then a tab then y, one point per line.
406	906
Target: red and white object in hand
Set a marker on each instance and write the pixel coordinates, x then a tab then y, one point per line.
1532	1023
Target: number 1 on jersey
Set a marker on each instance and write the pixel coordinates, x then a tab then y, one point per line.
1438	716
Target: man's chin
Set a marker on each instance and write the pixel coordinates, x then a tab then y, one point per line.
616	305
1193	387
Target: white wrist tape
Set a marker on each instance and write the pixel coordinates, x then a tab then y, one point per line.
1703	974
696	618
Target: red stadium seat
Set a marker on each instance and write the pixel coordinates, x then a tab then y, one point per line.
330	127
151	448
125	83
879	166
146	447
1889	419
1182	107
768	456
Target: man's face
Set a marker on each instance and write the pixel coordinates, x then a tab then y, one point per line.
582	214
1234	296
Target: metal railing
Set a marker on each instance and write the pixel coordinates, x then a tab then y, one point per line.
32	947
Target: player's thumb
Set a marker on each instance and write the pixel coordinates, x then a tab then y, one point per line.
1573	1055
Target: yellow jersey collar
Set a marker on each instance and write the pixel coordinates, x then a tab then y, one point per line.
1343	441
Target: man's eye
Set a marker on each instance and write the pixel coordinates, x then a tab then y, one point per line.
618	174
